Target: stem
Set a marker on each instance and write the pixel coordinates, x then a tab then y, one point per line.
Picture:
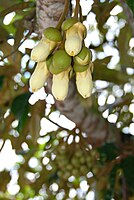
62	17
81	17
77	8
2	145
16	49
124	189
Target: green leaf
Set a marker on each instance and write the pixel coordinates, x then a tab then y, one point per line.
109	194
131	5
16	7
20	108
101	72
108	152
1	81
128	169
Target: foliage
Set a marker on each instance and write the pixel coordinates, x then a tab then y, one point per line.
61	163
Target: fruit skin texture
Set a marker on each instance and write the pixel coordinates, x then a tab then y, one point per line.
74	38
61	59
53	34
42	50
84	57
59	62
84	83
73	45
39	76
80	68
68	23
60	85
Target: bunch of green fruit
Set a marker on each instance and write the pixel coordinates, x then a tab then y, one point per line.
77	163
60	52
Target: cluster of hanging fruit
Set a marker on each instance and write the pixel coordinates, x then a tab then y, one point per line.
62	53
73	160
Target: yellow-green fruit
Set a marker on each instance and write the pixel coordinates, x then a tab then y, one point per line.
42	50
49	62
51	68
83	169
82	160
75	172
60	85
39	76
80	68
68	23
53	34
73	44
84	57
84	83
69	167
61	60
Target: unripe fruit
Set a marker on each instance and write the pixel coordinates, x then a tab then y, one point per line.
75	172
89	161
73	45
51	68
68	23
69	167
80	68
39	76
61	60
84	83
84	57
75	161
42	50
60	85
82	160
84	169
78	153
53	34
82	31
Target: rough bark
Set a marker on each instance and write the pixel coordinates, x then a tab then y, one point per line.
47	13
74	107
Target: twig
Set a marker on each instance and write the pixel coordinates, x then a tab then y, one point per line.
129	15
124	189
77	8
2	145
63	15
14	51
57	124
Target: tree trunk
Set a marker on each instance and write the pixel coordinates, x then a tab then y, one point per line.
74	107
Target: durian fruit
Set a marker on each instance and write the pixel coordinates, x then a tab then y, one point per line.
39	76
50	38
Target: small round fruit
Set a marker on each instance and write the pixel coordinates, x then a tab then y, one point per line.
53	34
61	60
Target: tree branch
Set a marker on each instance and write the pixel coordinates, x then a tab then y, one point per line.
129	15
74	107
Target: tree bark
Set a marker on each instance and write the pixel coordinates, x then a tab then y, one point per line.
74	107
48	13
